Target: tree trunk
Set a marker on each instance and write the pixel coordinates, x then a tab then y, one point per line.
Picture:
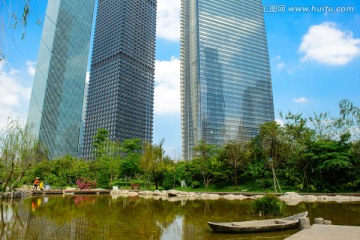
6	183
208	180
17	180
204	180
236	180
2	219
274	179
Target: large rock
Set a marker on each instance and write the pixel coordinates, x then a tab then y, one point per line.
182	194
256	197
309	198
324	198
122	193
172	193
339	198
193	195
210	196
304	223
229	196
327	222
290	196
146	193
157	192
214	196
319	221
10	195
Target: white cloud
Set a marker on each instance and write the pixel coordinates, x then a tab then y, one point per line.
31	67
167	90
300	100
327	44
168	19
87	77
14	95
280	122
280	66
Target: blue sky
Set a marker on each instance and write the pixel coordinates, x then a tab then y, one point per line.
314	53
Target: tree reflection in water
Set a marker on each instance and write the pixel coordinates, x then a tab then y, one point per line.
100	217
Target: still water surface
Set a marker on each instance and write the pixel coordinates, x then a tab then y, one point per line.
101	217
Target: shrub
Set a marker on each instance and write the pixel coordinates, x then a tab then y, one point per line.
195	184
269	205
85	184
264	183
168	182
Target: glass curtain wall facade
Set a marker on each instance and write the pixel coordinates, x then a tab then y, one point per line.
226	89
58	89
121	87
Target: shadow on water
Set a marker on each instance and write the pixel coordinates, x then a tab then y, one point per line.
101	217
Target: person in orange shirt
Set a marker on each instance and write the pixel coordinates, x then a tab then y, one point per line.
36	183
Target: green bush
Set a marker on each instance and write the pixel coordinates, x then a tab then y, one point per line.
264	183
85	183
168	182
269	205
195	184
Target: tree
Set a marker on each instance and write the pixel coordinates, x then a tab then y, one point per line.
205	160
298	132
183	172
356	150
16	19
129	166
296	126
108	155
325	126
236	154
100	142
131	154
330	163
133	145
169	172
152	162
19	152
276	146
356	154
350	118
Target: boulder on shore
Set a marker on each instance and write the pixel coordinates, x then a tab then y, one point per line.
10	195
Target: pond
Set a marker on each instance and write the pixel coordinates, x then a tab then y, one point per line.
101	217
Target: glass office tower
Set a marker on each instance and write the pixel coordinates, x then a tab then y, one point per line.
58	88
226	90
121	87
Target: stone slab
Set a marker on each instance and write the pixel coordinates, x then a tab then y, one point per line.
328	232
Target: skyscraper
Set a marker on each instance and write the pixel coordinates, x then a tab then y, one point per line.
121	87
226	90
58	88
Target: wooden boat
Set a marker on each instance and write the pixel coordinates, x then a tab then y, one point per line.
267	225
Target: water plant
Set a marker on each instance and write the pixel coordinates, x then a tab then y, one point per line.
268	205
